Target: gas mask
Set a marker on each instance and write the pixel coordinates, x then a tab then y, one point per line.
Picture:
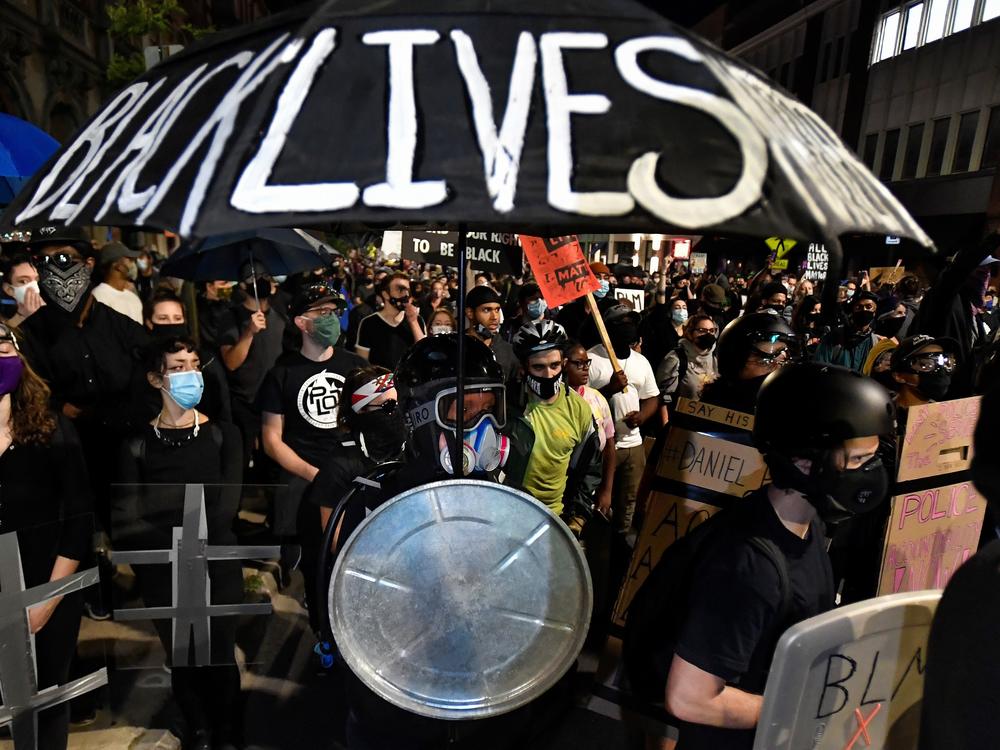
484	449
64	280
837	494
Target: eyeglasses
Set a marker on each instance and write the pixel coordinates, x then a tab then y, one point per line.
932	362
712	331
387	407
580	364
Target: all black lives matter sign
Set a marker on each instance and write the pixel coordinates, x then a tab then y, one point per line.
497	252
817	262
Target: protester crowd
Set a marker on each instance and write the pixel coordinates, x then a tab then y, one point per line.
114	375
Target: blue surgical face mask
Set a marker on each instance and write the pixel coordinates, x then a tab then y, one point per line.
185	388
679	316
602	292
536	308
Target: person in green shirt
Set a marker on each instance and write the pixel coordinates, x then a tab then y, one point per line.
564	443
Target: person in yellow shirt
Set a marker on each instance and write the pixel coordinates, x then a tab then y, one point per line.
556	434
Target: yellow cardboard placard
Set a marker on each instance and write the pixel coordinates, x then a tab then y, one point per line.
886	274
718	414
938	438
710	463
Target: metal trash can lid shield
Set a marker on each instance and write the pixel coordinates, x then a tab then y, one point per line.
460	599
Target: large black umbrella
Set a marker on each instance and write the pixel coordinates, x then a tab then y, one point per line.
280	252
532	115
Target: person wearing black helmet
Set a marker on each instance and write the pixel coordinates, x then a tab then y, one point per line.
825	468
849	345
556	437
749	349
922	368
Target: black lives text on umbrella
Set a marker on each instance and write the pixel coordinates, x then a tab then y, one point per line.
607	118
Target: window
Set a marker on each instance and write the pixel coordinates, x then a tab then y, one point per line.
991	10
936	20
914	139
991	151
911	31
871	143
963	145
890	30
889	155
963	15
839	59
939	139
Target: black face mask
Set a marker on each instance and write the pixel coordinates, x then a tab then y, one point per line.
889	326
837	495
483	332
622	337
780	309
263	287
171	330
705	342
862	318
934	385
399	303
814	317
383	432
544	388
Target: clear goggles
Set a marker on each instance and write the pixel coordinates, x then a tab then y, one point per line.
932	362
481	401
774	347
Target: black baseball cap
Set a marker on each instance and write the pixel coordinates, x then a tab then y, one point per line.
482	295
910	346
312	296
55	235
115	251
619	313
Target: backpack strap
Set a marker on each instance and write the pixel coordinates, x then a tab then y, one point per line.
756	674
682	366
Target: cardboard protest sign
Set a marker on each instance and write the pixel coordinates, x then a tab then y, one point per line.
498	252
886	274
719	414
710	462
691	463
699	262
851	678
636	298
560	268
938	439
934	523
931	533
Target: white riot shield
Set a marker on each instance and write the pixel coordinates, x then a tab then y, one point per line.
850	679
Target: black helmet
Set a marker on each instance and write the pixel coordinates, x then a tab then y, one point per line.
426	381
743	334
842	405
542	336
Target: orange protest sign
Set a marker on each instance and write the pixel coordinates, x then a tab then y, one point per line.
560	268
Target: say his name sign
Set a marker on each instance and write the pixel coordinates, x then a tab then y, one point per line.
560	268
850	679
498	252
531	115
934	526
686	464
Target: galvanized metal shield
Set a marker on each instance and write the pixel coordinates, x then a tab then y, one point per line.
460	599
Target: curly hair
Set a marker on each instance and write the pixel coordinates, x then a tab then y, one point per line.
32	421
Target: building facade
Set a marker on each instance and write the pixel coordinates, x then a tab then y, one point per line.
913	87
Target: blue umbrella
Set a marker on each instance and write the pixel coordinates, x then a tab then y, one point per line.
24	148
280	252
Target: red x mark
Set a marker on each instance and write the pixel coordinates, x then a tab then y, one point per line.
863	726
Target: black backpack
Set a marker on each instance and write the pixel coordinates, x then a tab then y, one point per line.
652	625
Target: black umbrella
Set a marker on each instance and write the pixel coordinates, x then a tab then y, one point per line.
535	115
281	252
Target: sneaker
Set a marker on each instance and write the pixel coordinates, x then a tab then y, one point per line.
95	611
291	556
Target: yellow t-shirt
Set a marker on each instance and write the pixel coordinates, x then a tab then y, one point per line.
559	428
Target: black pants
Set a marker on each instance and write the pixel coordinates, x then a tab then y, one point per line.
54	648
